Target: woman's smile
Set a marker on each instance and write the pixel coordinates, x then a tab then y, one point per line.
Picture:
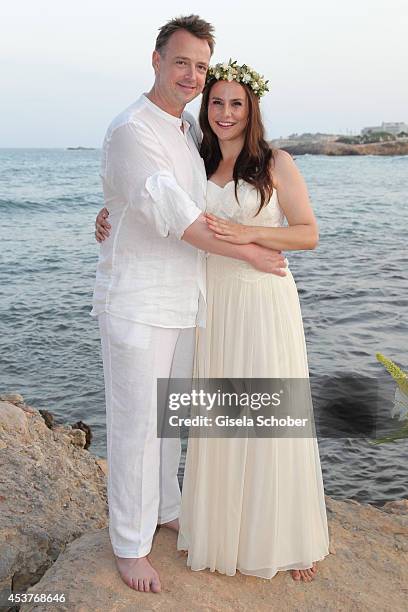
225	124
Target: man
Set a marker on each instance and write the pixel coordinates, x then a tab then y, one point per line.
148	284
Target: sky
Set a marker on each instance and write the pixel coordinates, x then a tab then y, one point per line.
67	68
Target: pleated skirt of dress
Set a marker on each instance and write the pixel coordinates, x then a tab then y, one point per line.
252	504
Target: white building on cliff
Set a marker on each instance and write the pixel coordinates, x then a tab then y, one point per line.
390	127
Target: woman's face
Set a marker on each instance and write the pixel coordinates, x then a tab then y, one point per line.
228	110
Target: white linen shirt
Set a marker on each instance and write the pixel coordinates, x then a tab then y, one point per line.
154	185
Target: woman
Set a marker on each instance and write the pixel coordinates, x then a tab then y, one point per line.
252	504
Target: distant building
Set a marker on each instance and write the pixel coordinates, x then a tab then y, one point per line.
390	127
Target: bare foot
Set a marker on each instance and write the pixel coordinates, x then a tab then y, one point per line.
139	574
174	524
306	575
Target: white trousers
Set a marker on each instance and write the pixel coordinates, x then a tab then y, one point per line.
143	488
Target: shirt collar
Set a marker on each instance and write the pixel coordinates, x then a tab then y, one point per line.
178	121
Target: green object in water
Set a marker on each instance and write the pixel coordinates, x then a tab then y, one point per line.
400	377
400	401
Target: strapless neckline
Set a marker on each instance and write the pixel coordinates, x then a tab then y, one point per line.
219	186
222	202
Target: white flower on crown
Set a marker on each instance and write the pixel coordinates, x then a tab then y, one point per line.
242	74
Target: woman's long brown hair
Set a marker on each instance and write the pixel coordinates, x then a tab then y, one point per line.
253	164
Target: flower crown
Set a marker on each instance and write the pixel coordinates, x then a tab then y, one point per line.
241	74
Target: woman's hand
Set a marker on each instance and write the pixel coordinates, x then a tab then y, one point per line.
229	231
102	226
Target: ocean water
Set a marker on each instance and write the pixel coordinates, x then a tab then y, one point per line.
353	292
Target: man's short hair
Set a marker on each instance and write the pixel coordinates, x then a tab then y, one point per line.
193	24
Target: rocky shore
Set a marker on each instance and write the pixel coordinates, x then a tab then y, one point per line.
54	540
333	148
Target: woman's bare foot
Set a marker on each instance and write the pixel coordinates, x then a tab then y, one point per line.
139	574
306	575
174	524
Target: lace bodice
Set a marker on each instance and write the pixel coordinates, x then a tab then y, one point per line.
222	202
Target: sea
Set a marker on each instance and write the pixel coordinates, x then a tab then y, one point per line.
352	288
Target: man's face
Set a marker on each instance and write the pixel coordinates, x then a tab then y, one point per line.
181	67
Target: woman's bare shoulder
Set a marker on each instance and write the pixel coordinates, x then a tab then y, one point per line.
281	166
282	158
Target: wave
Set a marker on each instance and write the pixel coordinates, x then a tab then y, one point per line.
62	203
19	204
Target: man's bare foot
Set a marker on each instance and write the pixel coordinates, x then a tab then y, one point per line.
306	575
174	524
139	574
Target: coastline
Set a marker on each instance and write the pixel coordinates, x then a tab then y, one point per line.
332	148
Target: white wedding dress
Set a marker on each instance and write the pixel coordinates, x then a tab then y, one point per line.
251	504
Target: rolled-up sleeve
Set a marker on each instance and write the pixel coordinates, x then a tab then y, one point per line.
140	173
171	203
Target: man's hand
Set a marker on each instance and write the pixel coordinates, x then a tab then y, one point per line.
102	226
235	233
266	260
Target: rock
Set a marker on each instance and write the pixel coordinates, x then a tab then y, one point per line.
17	400
88	433
332	147
48	417
12	419
367	572
51	492
12	398
396	507
339	148
28	409
103	464
78	437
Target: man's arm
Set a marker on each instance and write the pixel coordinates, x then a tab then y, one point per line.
137	168
139	172
266	260
199	236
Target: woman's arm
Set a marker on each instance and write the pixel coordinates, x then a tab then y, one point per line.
197	234
302	233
